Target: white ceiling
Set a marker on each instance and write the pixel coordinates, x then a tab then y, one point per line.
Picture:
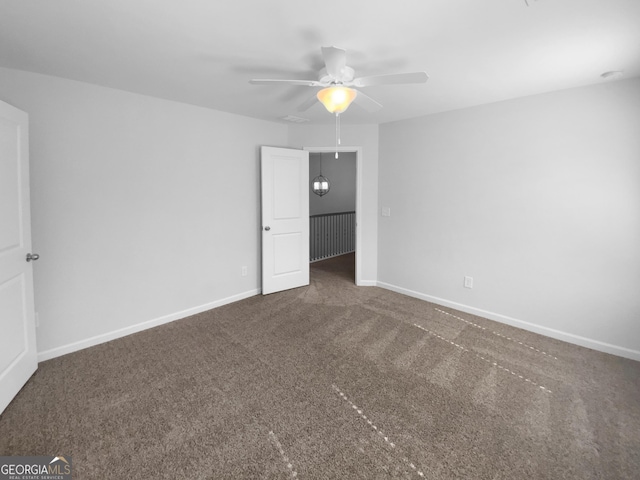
204	52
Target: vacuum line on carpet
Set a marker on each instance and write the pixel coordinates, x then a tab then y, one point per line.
460	318
278	445
488	360
376	429
497	334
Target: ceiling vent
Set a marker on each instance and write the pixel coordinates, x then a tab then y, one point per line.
294	119
613	75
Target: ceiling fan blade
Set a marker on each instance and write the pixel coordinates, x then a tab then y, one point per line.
366	102
335	59
270	81
308	103
391	79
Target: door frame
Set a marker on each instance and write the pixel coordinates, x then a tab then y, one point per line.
358	152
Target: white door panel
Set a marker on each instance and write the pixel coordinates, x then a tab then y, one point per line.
18	355
286	187
286	253
285	219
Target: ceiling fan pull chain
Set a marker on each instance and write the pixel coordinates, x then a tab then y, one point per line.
337	132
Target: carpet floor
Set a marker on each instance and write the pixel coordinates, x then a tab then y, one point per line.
333	381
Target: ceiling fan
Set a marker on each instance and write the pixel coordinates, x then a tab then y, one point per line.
337	80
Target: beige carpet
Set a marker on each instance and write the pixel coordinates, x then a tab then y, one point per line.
333	381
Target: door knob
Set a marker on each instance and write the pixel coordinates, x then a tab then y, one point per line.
267	228
32	256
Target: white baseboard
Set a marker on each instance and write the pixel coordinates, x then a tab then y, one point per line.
532	327
367	283
138	327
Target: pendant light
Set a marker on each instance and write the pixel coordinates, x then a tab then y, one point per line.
321	185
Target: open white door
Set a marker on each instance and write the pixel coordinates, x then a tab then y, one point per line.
18	355
285	219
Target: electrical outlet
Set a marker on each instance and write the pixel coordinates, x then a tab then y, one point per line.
386	211
243	271
468	282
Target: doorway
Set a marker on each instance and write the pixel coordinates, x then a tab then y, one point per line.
346	192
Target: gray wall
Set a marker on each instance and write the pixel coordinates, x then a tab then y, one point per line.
341	173
538	199
143	210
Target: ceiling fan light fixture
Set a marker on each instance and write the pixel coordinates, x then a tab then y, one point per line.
337	99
